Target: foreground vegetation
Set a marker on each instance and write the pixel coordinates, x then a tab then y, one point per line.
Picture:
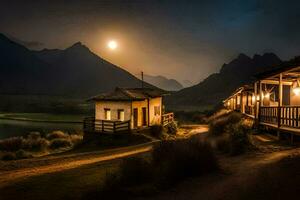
170	162
35	144
231	132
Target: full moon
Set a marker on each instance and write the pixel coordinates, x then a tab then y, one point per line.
112	44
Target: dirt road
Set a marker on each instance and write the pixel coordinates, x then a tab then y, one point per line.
14	171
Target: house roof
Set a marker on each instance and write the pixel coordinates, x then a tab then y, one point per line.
129	94
240	89
285	66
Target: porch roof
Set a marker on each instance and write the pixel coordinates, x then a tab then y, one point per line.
289	66
129	94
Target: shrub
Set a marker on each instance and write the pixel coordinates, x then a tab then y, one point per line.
60	143
235	141
156	130
132	171
34	136
176	160
218	126
56	134
11	144
21	154
39	144
239	138
171	128
76	139
8	156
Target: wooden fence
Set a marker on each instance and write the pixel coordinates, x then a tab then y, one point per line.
167	118
90	124
289	115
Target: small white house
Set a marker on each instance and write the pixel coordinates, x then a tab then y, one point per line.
141	107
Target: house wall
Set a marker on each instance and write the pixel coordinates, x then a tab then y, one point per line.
155	119
139	105
128	108
294	99
113	106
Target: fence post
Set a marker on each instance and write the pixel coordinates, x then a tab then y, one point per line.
114	127
102	124
297	117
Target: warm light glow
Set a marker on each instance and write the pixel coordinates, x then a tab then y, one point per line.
267	95
112	44
253	98
296	91
257	97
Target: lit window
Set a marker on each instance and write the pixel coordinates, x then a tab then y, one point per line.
121	115
156	110
107	113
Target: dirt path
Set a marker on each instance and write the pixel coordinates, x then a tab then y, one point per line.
237	171
14	171
36	167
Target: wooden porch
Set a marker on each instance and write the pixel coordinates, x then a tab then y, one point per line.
285	118
91	125
167	118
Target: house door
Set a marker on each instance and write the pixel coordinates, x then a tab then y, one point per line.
135	117
144	116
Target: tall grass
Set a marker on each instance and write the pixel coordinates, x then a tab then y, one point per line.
231	131
170	162
24	147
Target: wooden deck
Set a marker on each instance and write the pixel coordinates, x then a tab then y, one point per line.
91	125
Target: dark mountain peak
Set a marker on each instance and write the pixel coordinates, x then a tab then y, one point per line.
243	56
3	37
78	46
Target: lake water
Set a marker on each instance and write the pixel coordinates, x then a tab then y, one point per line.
10	128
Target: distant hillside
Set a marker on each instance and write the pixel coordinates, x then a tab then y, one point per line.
75	71
163	83
218	86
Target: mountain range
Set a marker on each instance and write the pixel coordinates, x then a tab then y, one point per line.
216	87
75	71
163	82
78	72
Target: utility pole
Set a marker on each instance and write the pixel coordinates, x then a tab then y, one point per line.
142	79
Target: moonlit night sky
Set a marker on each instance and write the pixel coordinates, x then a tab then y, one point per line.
185	40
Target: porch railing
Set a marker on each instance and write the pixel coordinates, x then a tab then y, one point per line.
90	124
249	110
167	118
289	115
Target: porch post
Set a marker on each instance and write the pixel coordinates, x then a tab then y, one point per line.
255	105
260	101
279	104
241	102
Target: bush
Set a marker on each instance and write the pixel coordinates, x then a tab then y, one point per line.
132	171
21	154
60	143
76	139
11	144
9	156
171	161
239	138
156	130
39	144
56	134
176	160
34	136
218	126
171	128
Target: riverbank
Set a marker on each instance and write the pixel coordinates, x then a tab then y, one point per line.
43	117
